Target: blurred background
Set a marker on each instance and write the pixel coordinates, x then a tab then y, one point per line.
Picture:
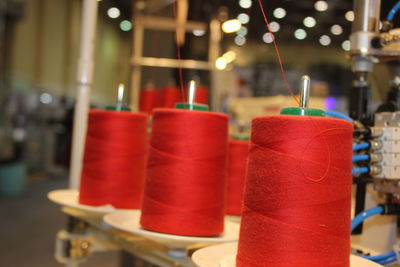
39	51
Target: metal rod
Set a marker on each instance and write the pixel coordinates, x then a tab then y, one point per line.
168	24
367	15
136	75
120	97
173	63
192	92
305	91
84	81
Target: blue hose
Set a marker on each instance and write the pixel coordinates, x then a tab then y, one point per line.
393	11
357	158
387	260
382	256
364	215
360	146
360	170
338	115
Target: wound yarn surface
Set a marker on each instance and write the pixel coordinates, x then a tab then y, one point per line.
169	96
237	163
296	210
186	174
149	99
115	158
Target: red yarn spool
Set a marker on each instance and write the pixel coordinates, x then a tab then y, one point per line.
296	210
237	163
170	95
149	99
185	183
202	95
115	157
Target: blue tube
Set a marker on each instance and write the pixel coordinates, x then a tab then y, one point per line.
357	158
382	256
393	11
360	170
387	260
364	215
338	115
360	146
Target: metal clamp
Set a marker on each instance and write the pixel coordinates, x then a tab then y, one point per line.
71	247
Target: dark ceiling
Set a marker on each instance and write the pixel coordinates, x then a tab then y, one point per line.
297	10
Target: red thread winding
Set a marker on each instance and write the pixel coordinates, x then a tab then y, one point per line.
185	184
149	99
202	95
237	163
170	95
296	210
115	159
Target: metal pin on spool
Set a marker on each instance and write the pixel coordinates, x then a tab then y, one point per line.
304	91
191	102
120	100
120	96
303	109
192	92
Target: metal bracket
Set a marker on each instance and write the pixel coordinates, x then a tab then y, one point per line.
71	247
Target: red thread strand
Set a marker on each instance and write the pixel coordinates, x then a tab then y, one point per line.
296	210
277	53
115	157
237	163
185	184
178	54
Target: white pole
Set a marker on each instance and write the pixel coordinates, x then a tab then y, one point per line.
84	82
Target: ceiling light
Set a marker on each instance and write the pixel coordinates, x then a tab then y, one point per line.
232	25
321	6
199	32
245	3
349	15
230	56
240	40
242	31
125	25
309	22
268	37
46	98
300	34
336	29
346	45
221	63
274	26
243	18
113	12
279	13
325	40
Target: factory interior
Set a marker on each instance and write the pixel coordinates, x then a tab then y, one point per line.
223	133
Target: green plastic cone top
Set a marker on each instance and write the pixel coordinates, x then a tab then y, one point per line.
303	112
188	106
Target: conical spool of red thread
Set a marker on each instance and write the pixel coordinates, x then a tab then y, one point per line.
237	163
296	210
115	159
149	99
201	95
186	174
170	95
